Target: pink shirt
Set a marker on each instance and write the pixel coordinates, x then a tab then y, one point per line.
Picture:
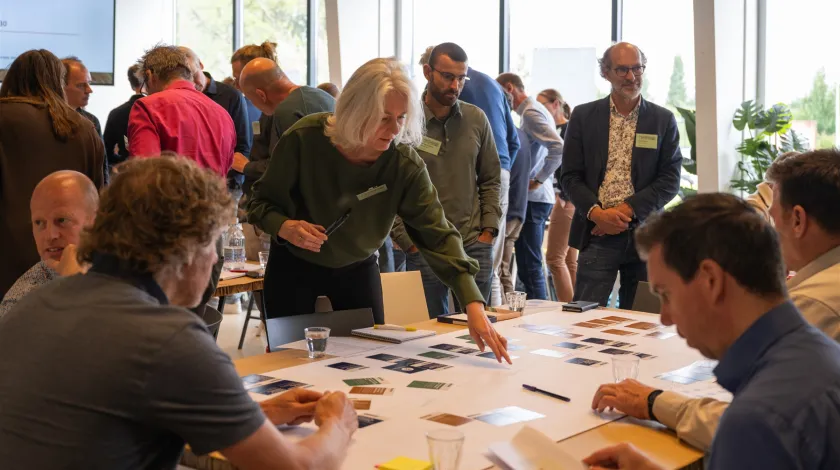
183	120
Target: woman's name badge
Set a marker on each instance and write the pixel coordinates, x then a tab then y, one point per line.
372	192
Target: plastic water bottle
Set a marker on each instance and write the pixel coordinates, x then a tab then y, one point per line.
234	248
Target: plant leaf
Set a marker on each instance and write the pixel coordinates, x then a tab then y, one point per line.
745	116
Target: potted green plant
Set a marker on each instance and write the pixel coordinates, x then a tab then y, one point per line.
767	135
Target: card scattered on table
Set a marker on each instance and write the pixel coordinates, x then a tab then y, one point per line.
617	319
549	353
277	387
492	355
644	356
386	357
643	325
507	416
552	330
371	391
360	404
411	366
365	381
455	349
464	337
661	335
584	324
568	345
619	332
615	351
586	362
437	355
367	419
446	418
255	378
346	366
430	385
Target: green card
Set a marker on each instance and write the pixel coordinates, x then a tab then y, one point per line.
646	141
467	337
430	385
436	355
365	381
429	145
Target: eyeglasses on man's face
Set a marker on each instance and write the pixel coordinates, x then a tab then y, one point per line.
622	71
449	78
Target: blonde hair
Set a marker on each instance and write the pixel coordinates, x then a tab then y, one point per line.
245	54
361	105
157	212
552	96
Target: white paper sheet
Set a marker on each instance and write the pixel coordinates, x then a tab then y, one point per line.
533	450
342	346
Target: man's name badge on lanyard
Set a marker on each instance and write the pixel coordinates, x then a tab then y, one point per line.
372	192
429	145
646	141
255	127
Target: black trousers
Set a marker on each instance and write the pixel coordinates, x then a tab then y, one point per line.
292	285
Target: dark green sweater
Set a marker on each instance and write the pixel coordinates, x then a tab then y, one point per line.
308	179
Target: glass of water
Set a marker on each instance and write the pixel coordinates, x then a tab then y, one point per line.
445	448
316	341
263	259
625	366
516	301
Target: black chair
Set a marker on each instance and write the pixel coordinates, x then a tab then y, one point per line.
213	319
248	317
645	300
284	330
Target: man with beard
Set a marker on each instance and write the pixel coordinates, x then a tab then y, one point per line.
621	163
461	157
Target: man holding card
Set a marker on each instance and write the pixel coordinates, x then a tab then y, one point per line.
783	372
119	374
460	154
621	163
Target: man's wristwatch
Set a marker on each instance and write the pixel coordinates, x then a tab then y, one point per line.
651	399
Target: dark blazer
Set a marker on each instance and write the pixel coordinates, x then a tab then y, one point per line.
116	128
655	172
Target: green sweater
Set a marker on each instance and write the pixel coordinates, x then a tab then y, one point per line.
308	179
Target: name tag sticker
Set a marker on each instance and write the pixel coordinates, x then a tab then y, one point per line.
430	145
372	192
255	127
646	141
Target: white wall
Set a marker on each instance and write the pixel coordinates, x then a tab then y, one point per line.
139	26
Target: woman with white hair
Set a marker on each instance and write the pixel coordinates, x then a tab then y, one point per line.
353	171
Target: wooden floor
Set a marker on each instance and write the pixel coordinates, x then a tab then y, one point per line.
230	330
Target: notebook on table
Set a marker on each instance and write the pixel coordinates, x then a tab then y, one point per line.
392	336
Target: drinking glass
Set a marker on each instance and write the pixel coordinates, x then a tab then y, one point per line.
445	448
263	259
625	366
516	301
316	341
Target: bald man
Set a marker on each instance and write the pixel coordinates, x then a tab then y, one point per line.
273	93
234	103
62	204
621	163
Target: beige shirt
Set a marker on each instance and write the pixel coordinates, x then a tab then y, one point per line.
814	290
617	185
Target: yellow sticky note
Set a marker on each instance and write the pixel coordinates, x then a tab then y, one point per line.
646	141
429	145
405	463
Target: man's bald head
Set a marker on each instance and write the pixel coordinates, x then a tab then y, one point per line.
260	73
62	204
264	84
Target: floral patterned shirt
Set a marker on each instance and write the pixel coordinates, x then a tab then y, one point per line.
36	277
617	185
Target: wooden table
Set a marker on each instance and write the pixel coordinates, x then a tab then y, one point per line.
653	439
243	284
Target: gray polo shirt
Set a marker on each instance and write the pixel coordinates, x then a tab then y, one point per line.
463	164
98	372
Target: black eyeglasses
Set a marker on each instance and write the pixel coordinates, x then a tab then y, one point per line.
622	71
449	78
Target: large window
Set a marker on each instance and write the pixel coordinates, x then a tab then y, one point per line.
206	26
283	22
472	24
801	69
555	44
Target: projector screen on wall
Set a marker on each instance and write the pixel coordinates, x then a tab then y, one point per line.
81	28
